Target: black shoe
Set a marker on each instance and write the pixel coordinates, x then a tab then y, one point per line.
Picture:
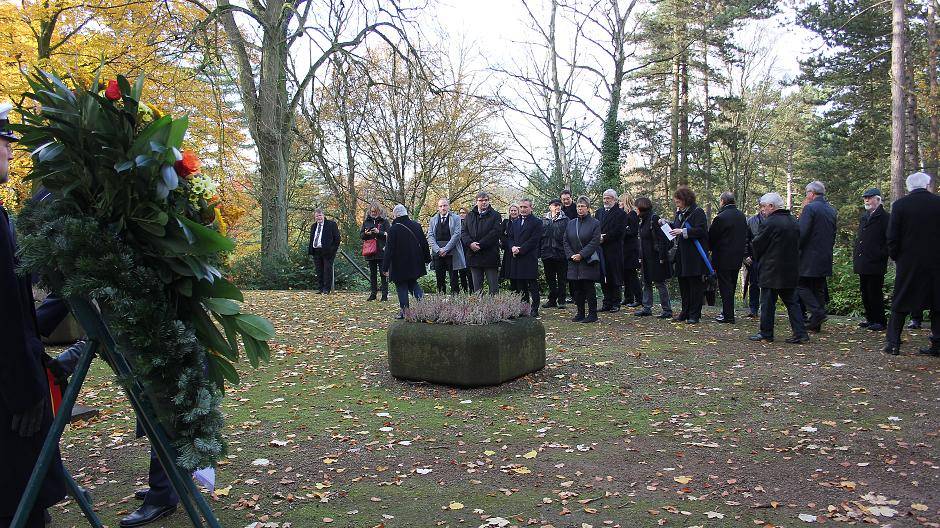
761	337
141	494
578	318
550	304
385	298
753	315
797	340
371	297
932	350
876	327
591	318
643	313
890	349
614	308
635	304
864	324
319	292
664	315
147	514
914	325
561	306
679	318
723	319
534	313
605	309
692	321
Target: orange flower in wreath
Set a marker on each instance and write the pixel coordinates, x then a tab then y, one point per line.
188	165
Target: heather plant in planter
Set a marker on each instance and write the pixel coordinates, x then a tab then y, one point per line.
466	341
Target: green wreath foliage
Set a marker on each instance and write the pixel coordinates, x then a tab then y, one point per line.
123	226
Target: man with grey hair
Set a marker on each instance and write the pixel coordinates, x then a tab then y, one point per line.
913	239
613	226
522	245
817	240
870	259
324	243
776	246
727	237
480	238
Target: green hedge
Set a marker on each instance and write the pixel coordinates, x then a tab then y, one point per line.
296	272
844	295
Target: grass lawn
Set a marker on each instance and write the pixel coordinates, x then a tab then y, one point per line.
634	422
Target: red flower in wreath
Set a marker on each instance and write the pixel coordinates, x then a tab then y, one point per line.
188	165
113	91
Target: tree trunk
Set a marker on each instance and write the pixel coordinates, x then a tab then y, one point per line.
706	126
932	155
897	99
912	136
684	120
558	98
674	127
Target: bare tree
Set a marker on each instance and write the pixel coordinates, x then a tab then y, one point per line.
898	26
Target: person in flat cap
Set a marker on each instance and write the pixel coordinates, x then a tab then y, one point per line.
25	405
870	259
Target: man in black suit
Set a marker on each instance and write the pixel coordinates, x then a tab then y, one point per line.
613	221
324	243
870	259
525	237
913	239
568	206
728	238
817	239
25	407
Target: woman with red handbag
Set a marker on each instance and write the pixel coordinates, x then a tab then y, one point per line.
374	231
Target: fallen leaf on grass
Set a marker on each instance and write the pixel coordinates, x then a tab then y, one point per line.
682	479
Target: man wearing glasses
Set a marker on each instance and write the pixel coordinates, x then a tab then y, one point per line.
480	238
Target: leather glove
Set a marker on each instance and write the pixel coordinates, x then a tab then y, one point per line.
28	423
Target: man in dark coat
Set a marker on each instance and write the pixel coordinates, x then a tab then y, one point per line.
870	259
480	238
525	237
728	238
324	243
817	239
568	206
777	249
25	406
613	224
406	256
913	239
552	252
752	278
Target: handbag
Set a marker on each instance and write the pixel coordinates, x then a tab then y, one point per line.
370	247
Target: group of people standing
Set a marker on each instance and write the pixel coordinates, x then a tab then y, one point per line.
633	253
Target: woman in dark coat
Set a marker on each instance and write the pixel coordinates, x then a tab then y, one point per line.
406	256
503	244
582	239
654	259
375	227
632	289
689	225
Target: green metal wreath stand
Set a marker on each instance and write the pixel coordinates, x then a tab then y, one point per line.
100	342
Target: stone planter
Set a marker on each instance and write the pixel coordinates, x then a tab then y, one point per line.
466	355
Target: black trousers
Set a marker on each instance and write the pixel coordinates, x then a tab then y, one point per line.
632	288
692	291
161	490
873	298
813	293
896	325
556	277
768	308
324	266
441	272
611	294
582	291
375	272
753	288
466	282
727	284
530	292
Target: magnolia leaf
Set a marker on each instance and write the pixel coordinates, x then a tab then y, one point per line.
220	288
222	306
209	335
221	370
252	352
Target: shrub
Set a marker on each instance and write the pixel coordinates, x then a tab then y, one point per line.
467	309
295	272
844	295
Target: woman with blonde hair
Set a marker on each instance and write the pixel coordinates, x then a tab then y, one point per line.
632	289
